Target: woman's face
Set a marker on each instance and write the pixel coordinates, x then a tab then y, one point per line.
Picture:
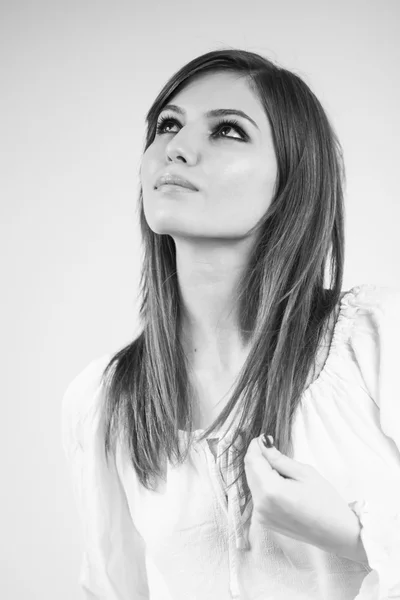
234	170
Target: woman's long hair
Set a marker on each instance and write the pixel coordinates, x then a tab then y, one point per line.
283	306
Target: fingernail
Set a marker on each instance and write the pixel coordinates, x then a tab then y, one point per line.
267	441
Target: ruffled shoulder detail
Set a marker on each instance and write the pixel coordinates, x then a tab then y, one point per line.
367	312
366	297
371	327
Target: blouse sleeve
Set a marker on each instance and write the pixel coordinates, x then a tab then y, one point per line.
375	343
113	565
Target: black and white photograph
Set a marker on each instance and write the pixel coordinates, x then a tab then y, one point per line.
201	317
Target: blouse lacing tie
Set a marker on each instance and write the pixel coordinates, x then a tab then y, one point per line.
230	502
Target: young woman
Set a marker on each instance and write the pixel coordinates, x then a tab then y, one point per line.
241	212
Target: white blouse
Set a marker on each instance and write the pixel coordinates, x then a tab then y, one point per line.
188	540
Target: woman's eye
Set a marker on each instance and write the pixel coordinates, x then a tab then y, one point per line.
162	124
166	122
228	126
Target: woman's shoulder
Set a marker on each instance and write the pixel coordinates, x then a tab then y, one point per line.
367	298
367	334
370	295
367	308
82	392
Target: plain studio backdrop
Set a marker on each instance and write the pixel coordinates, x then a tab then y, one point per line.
76	81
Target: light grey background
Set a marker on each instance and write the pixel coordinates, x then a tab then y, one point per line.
76	81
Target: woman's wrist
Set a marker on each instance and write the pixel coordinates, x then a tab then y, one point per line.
351	546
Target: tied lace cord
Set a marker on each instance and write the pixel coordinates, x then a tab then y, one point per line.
237	539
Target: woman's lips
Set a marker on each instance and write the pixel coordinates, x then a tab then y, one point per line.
173	187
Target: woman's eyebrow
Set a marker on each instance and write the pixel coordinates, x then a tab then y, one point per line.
216	112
